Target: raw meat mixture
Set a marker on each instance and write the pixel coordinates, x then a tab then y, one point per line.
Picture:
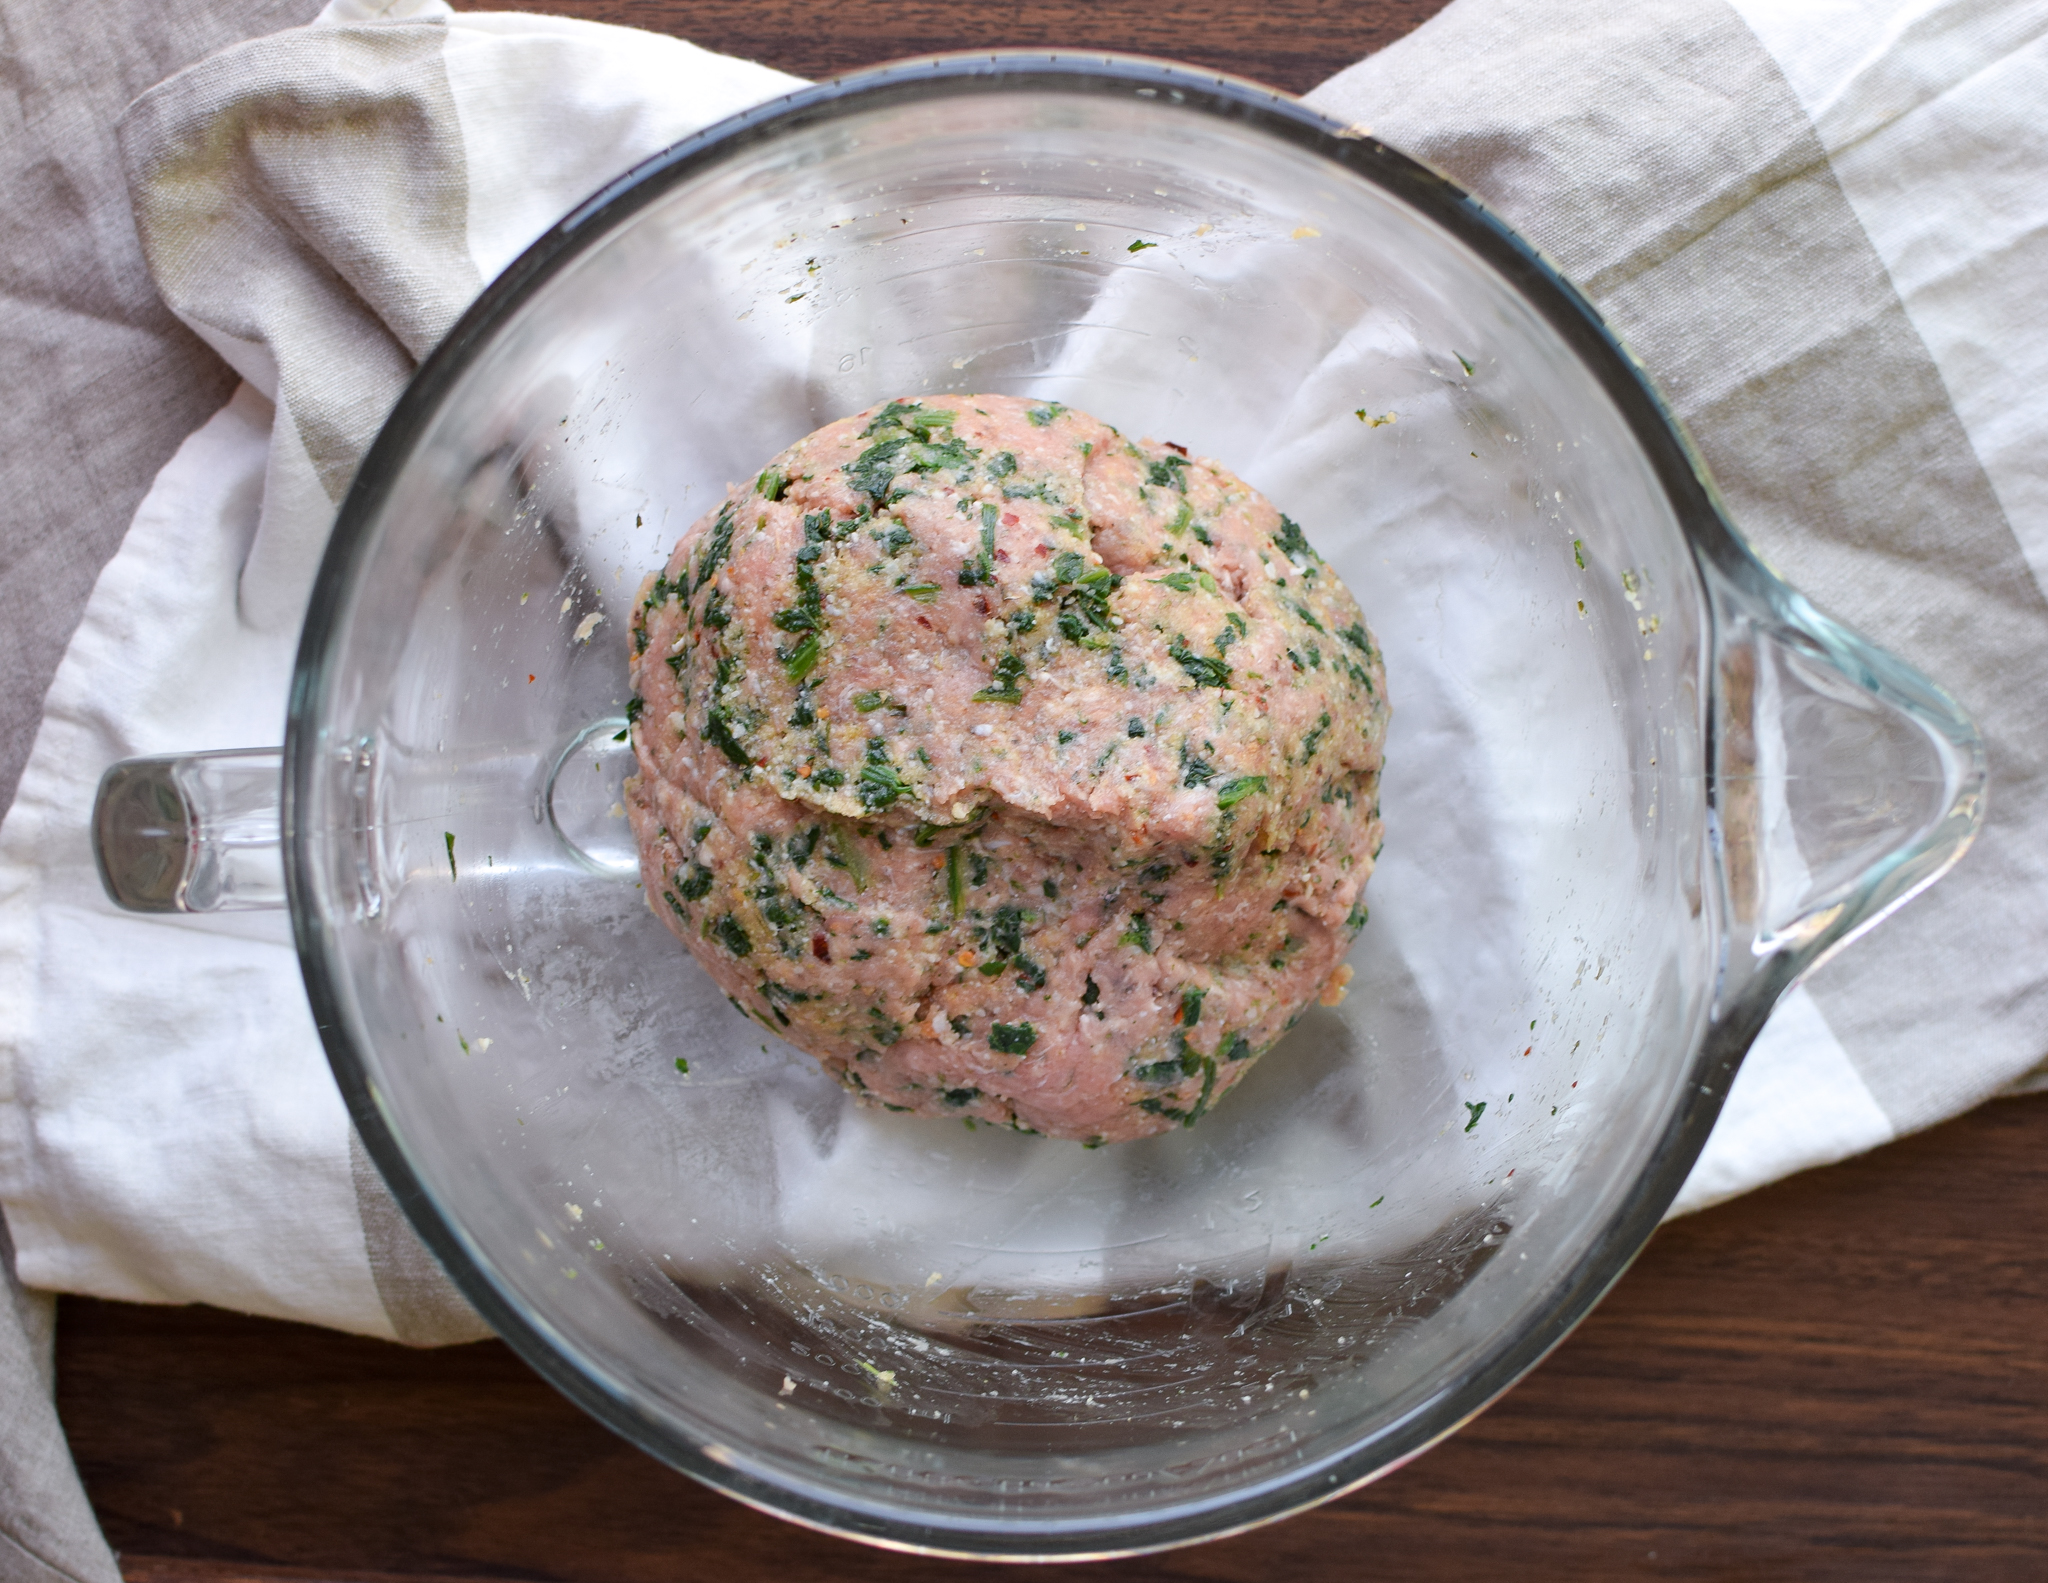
1013	769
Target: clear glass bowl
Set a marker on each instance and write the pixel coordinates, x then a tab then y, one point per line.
1635	786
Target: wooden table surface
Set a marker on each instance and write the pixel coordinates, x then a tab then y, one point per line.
1844	1376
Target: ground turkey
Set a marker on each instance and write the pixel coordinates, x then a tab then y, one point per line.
1013	769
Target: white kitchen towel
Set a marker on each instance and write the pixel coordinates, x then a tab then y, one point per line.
1749	202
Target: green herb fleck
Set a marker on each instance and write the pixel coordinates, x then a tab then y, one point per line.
920	421
1003	688
1477	1111
799	662
1237	788
880	785
1011	1038
1294	543
1139	247
716	549
1138	934
448	836
1169	472
1204	671
732	934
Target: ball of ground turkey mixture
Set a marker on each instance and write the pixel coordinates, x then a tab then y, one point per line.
1013	769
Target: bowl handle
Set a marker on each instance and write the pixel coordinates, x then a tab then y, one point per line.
196	832
1844	782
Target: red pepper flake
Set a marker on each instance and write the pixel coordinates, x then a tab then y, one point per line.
1043	549
1009	520
1180	450
529	678
821	948
1003	555
925	623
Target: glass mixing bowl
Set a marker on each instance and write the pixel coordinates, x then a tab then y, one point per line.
1635	787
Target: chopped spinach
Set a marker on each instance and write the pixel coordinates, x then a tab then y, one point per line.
1169	472
1011	1038
1204	671
1003	688
1294	543
716	549
880	784
919	421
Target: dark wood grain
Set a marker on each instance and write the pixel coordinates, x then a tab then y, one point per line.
1844	1376
1290	44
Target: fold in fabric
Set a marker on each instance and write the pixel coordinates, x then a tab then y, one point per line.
1662	156
308	204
